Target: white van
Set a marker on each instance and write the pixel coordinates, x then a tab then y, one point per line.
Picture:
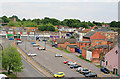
3	76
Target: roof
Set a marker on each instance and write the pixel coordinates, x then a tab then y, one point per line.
72	41
73	46
84	41
62	41
89	34
86	31
102	29
101	46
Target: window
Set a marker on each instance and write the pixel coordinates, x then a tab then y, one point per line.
106	34
103	33
106	63
89	44
81	44
86	44
96	42
111	34
116	52
32	29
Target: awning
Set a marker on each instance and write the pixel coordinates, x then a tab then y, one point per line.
9	34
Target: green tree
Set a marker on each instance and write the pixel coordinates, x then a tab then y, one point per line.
29	24
14	16
11	60
5	19
14	24
72	37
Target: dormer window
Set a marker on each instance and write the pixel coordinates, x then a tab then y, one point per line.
116	52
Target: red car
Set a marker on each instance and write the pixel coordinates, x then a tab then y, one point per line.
18	39
65	62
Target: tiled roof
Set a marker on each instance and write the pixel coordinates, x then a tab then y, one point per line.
89	34
100	46
86	31
73	46
84	41
62	41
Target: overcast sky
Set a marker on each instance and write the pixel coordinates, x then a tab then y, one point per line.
85	10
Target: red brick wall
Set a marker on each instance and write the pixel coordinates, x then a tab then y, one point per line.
100	42
63	46
84	53
80	47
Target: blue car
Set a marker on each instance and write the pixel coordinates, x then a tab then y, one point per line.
33	43
11	39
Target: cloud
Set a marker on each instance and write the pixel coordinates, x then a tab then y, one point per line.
88	11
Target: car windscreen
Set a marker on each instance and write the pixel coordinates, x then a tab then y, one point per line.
85	69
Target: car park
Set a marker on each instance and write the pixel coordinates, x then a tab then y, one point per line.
75	66
91	75
71	63
59	75
72	66
40	48
105	70
58	55
11	39
84	71
32	54
65	62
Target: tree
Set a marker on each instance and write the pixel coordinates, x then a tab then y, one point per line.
12	24
72	37
14	16
5	19
96	27
29	24
11	60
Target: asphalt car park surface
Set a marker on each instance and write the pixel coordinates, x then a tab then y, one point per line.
48	59
73	57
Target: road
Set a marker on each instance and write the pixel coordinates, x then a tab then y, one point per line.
73	57
48	60
29	70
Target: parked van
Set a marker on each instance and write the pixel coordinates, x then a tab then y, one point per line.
3	76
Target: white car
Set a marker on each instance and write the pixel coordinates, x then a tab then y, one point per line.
79	68
32	54
40	48
71	63
58	55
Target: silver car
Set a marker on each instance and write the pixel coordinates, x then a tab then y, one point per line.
58	55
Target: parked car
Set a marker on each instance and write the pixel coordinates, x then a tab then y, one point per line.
36	45
105	70
33	43
18	39
59	75
19	42
71	63
91	75
53	45
32	54
58	55
84	71
75	66
11	39
65	62
79	69
40	48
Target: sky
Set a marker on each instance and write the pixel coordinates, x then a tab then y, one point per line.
85	10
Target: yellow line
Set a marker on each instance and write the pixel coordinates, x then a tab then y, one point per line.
30	59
